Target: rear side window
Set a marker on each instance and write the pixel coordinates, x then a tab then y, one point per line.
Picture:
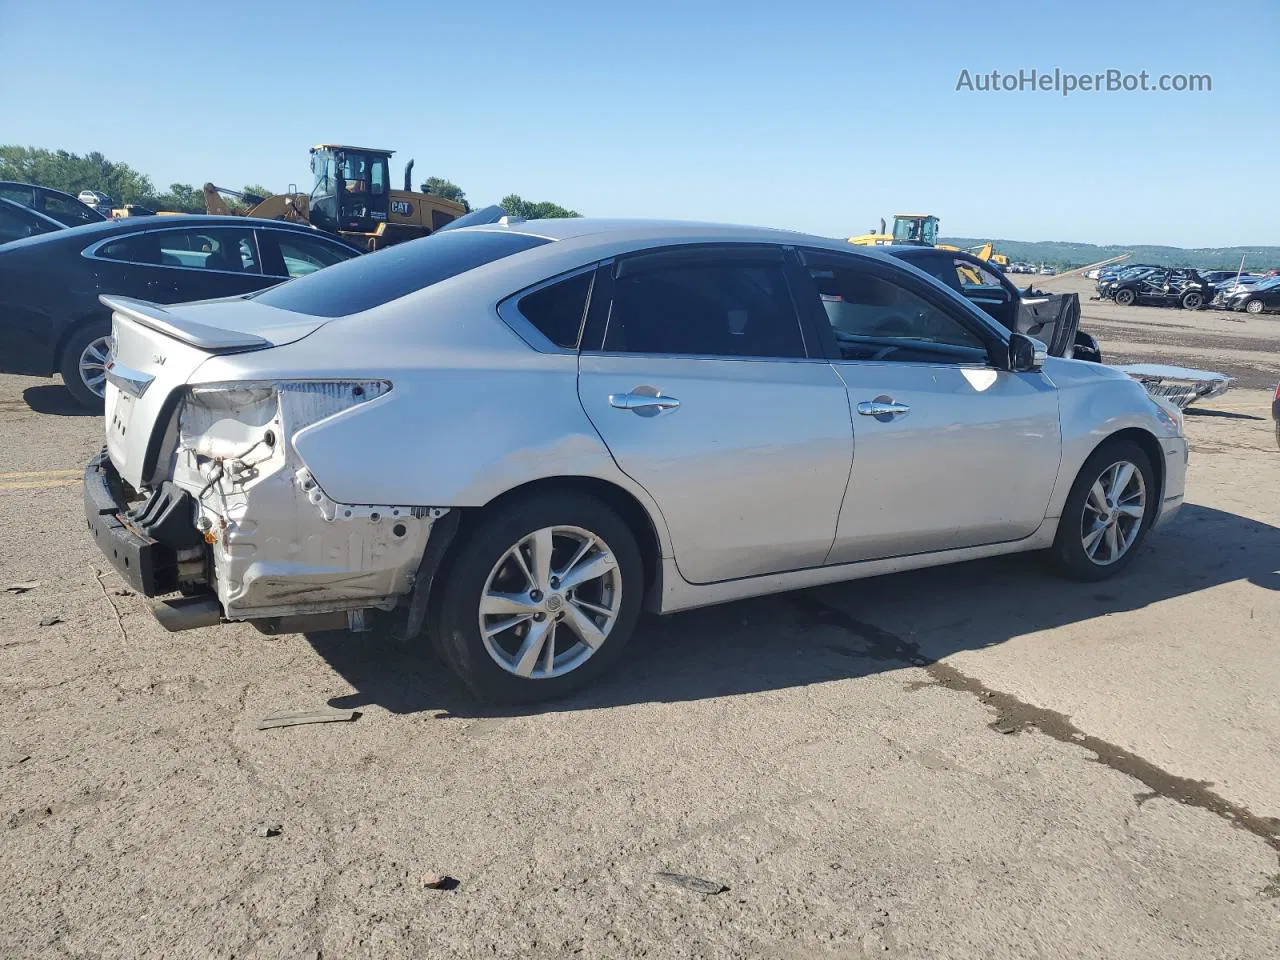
369	281
557	309
724	307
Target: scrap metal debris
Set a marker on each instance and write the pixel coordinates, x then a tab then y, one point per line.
50	620
1180	385
439	881
693	884
269	829
306	716
22	587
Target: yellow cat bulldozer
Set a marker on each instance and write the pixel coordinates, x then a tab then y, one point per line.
352	197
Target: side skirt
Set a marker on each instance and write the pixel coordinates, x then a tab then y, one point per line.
679	594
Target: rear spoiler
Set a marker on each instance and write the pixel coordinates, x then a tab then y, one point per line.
200	335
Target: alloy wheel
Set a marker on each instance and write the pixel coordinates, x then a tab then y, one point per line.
1192	301
1113	513
93	365
1254	306
550	602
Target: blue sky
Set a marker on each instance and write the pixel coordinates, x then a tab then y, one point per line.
819	116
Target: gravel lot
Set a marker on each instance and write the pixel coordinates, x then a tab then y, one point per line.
980	761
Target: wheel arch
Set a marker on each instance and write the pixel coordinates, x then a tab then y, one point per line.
1148	443
642	524
70	331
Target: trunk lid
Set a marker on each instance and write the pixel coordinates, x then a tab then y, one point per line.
157	349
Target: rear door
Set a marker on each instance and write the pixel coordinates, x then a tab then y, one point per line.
174	265
702	387
949	451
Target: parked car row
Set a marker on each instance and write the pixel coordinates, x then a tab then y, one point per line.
1187	288
1042	269
1160	286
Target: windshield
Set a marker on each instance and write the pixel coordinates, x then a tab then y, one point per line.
916	230
363	283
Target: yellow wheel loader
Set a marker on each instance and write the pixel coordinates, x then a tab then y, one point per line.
352	197
921	230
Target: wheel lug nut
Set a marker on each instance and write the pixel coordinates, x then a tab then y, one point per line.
555	583
539	617
535	596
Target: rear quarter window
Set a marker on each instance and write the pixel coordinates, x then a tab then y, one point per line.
369	281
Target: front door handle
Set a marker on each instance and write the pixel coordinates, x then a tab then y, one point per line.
882	408
644	404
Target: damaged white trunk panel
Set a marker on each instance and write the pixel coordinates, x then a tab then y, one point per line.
280	546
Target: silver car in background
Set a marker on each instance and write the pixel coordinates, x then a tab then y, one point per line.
518	435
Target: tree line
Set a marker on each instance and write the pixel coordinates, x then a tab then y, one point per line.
71	173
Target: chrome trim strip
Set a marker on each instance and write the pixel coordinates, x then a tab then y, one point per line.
128	380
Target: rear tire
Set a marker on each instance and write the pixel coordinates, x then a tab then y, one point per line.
493	563
1084	548
83	361
1125	297
1192	300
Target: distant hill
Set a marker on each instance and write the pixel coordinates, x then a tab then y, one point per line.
1064	255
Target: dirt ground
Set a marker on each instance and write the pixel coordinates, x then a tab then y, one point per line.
973	762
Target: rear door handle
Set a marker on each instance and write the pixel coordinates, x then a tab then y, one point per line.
882	408
644	404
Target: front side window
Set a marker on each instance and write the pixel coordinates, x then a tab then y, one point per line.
972	275
71	212
874	318
722	307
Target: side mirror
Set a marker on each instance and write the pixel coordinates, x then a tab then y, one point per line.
1026	354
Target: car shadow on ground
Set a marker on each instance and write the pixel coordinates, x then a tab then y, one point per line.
799	638
56	399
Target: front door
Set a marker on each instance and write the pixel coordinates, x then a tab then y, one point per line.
703	390
949	452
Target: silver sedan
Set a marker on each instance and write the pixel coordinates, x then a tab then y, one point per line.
513	437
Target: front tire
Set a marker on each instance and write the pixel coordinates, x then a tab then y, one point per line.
540	598
1108	512
83	363
1124	297
1253	306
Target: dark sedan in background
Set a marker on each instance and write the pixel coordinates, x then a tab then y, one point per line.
52	322
55	204
1261	297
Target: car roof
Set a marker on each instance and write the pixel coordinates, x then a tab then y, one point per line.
624	229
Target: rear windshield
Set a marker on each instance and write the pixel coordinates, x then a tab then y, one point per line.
363	283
